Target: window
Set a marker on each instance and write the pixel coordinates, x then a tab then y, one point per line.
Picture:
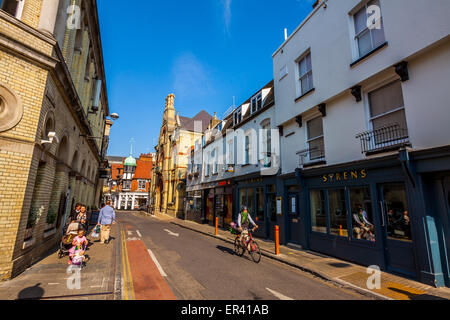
387	106
362	215
256	103
13	7
237	116
230	152
267	144
260	204
396	211
368	39
142	184
318	214
247	150
315	139
208	164
214	158
127	185
338	212
305	74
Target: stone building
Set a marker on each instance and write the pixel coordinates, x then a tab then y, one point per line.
176	137
53	109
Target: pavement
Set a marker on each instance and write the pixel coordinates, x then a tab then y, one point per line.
392	287
50	278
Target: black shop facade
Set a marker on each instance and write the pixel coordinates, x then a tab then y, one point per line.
370	212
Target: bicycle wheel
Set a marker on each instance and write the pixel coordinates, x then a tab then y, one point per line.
255	252
238	248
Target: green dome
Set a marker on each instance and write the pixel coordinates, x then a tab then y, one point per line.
130	161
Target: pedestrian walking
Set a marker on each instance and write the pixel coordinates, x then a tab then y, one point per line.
106	217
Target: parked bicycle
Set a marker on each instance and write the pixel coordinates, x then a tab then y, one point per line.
247	244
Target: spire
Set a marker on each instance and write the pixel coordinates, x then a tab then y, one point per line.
178	119
170	101
131	146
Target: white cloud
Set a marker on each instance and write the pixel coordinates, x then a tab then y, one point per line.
191	77
227	14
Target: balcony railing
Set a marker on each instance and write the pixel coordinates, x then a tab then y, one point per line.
384	138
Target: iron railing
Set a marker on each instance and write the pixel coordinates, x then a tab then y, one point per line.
386	137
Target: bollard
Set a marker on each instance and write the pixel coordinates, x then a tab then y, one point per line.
217	225
277	240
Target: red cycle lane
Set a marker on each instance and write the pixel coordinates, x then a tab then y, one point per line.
148	282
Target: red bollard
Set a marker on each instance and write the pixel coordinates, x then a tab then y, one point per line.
277	240
217	226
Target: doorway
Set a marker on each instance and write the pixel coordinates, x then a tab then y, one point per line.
396	228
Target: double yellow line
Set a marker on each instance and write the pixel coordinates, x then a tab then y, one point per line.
128	293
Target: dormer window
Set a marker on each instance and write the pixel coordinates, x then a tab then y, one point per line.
237	116
256	103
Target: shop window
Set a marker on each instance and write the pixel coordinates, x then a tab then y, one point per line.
260	204
318	213
362	215
397	213
338	212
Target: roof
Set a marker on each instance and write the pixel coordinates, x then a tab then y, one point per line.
143	170
188	123
130	161
115	159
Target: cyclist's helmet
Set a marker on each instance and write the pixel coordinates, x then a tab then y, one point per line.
243	208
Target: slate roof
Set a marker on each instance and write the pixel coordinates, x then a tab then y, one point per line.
188	123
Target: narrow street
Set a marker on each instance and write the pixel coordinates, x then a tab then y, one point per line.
198	267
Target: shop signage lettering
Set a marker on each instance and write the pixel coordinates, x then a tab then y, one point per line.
345	176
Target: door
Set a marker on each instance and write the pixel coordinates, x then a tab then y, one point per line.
293	219
260	215
271	215
396	226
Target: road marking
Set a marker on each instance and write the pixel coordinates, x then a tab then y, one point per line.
53	284
139	234
278	295
161	271
130	233
171	233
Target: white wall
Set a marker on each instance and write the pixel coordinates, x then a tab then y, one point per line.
326	34
409	27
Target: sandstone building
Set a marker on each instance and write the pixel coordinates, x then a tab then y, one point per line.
176	137
53	109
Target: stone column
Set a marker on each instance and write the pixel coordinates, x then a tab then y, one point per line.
47	20
133	203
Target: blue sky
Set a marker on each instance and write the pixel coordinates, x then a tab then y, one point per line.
203	51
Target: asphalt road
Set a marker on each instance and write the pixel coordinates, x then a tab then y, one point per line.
199	267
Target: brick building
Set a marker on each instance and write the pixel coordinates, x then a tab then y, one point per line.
129	186
53	109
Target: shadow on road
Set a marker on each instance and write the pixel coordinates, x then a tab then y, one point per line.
31	293
226	250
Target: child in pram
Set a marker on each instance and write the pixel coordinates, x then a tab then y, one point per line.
76	253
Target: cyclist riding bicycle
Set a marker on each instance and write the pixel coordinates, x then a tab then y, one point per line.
243	222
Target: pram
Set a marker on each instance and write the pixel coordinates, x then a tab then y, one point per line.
65	245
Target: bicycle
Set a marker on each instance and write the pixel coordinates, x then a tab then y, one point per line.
250	245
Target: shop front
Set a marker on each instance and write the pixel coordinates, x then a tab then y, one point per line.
194	206
259	196
366	212
218	202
